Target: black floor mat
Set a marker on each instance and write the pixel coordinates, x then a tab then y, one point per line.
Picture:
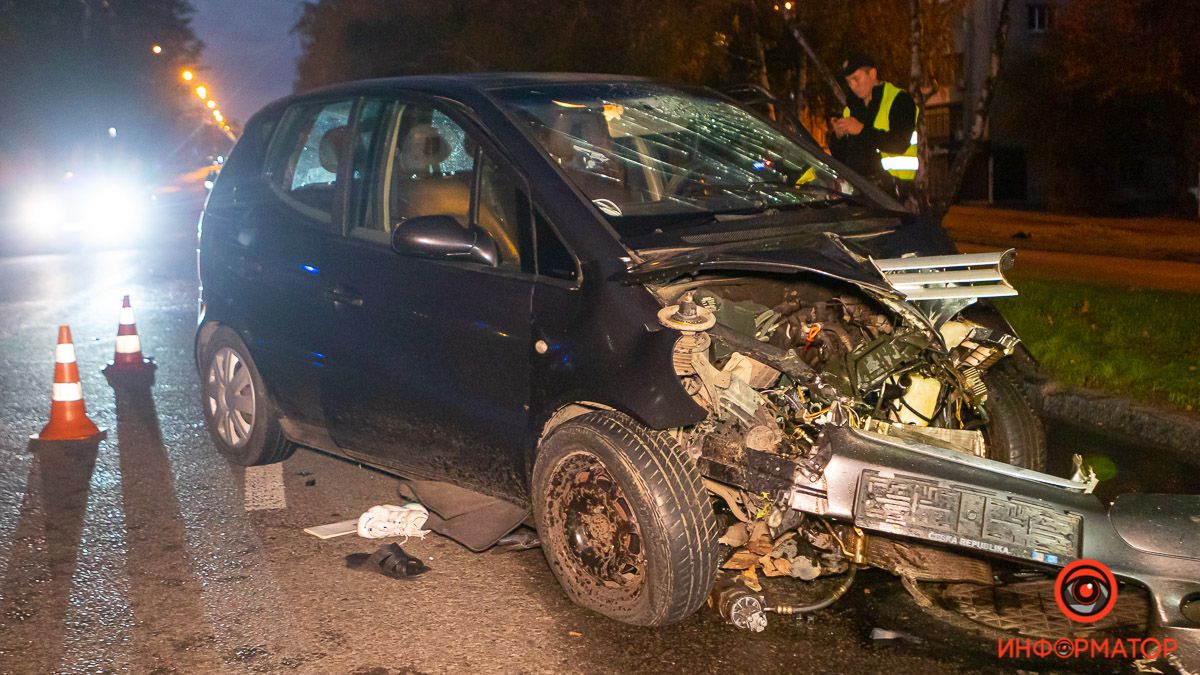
472	519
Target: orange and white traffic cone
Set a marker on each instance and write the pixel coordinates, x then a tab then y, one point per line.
68	416
129	367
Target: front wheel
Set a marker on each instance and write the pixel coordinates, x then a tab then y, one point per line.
1015	434
624	519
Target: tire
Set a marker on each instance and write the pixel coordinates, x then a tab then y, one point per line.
241	417
625	522
1015	434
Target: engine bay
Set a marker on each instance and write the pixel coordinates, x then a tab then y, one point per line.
774	361
778	363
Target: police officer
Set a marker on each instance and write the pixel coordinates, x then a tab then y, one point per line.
876	134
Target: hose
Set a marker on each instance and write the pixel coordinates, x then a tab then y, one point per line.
818	606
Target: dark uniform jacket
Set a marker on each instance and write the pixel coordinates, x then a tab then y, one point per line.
861	152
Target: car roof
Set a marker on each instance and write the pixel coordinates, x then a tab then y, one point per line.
456	86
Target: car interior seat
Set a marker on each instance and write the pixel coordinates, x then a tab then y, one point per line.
331	150
581	143
498	217
419	188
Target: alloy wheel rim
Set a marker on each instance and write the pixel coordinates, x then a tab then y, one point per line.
229	394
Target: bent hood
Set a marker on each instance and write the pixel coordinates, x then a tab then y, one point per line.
929	288
821	253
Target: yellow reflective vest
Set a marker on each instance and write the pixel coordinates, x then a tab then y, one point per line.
903	166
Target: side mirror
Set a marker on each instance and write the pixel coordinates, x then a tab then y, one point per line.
444	238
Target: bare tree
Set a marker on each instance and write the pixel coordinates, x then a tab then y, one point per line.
979	125
834	86
916	87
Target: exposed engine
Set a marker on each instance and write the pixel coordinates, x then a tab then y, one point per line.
859	421
777	373
776	363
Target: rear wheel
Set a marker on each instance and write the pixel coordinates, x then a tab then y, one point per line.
624	519
242	420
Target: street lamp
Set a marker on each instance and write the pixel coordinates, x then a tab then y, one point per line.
202	92
212	105
157	49
218	116
187	75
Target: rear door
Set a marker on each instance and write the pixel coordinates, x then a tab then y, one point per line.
430	372
276	249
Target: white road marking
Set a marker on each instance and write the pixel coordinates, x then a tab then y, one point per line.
264	487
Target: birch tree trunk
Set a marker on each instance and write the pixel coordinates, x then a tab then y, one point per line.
916	87
764	79
982	107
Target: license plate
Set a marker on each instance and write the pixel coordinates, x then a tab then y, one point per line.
966	517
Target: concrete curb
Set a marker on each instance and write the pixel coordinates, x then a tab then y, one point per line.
1176	432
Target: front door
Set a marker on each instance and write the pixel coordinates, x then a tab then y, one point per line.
429	373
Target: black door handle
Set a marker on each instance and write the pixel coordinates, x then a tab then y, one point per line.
341	294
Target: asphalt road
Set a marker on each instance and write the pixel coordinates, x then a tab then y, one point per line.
140	555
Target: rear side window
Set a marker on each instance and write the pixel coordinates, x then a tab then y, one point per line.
310	145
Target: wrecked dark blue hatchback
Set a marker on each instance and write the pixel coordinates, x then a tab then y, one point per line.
689	347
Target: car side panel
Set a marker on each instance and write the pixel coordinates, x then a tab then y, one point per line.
430	373
605	345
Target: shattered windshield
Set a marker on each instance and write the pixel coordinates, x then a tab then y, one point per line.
644	150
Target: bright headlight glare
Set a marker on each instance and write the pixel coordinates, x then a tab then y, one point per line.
40	210
114	208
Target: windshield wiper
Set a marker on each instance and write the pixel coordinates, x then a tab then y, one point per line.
772	190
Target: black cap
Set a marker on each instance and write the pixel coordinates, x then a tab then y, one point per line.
855	61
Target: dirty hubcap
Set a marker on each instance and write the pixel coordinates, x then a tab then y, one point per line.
602	539
229	395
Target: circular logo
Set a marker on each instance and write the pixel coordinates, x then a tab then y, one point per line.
1085	591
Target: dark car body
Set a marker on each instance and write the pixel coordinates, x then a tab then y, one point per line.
429	367
436	355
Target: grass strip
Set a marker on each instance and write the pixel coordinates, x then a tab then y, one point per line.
1140	343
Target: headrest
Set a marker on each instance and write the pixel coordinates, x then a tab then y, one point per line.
333	147
423	148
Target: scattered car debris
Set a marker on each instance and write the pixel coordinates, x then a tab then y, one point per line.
739	605
378	522
736	536
885	634
520	539
331	530
1146	666
389	560
387	520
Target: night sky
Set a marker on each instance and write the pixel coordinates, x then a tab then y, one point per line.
250	53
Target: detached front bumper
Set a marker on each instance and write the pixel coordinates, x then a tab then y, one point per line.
892	485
